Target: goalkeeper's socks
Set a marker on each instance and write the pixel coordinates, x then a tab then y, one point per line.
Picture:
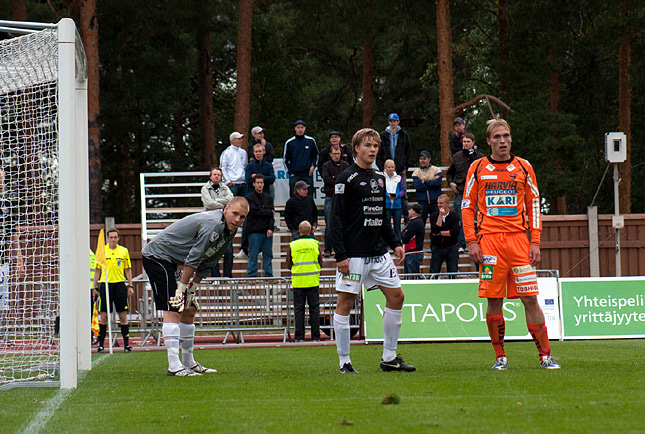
187	341
125	332
171	339
102	333
541	338
341	332
391	330
496	331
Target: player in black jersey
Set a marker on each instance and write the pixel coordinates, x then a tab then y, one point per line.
361	234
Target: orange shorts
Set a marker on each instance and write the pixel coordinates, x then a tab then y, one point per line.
506	270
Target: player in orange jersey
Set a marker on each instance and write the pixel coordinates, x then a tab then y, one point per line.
501	189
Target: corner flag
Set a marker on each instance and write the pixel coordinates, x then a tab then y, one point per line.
100	251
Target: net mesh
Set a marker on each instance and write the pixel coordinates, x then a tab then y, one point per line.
29	257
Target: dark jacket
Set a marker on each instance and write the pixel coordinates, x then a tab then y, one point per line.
330	171
402	154
299	209
413	235
452	224
458	169
269	154
265	168
345	155
455	143
300	154
260	217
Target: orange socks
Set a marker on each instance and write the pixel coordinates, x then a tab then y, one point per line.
540	337
496	330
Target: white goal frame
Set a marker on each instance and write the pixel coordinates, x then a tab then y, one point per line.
73	203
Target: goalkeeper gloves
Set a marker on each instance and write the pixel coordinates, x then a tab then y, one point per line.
190	296
178	301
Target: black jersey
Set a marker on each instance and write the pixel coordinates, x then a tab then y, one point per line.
359	225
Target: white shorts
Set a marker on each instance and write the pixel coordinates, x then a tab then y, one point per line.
371	272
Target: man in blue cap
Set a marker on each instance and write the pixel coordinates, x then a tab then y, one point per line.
300	158
396	146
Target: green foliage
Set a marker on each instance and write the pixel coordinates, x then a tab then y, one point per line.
290	389
307	62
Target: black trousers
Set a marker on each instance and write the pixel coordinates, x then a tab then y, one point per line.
311	296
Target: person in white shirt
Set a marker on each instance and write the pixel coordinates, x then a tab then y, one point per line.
233	162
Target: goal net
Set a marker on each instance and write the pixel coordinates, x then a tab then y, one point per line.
30	260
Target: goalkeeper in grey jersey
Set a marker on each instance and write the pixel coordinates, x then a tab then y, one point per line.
196	243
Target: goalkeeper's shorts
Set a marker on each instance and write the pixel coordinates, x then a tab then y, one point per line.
505	270
162	278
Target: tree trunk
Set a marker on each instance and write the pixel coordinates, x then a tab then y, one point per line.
205	78
368	81
19	10
624	118
502	33
243	89
446	99
90	32
560	207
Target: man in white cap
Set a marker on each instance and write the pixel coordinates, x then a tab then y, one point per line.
258	137
233	162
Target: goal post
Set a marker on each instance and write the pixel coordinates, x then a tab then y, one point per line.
45	206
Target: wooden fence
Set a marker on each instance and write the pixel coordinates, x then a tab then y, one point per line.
565	246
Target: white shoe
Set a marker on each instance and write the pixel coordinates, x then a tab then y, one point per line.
183	372
242	255
199	369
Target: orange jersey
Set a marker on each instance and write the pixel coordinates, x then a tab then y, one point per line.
505	197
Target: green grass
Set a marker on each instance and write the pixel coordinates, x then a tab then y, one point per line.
601	388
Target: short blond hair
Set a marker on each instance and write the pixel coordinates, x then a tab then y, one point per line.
304	227
363	135
389	162
491	124
444	196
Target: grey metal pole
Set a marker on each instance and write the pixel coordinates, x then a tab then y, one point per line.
617	213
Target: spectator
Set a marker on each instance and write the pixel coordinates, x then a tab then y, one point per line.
427	182
258	137
118	270
259	228
395	191
299	208
396	146
330	170
456	141
305	262
216	195
345	151
445	233
412	238
456	176
259	166
233	161
300	157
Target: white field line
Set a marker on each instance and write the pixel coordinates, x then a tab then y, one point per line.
40	420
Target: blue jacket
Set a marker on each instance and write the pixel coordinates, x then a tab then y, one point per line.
396	203
427	188
300	154
265	169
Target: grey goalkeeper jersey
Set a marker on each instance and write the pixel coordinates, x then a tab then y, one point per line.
198	241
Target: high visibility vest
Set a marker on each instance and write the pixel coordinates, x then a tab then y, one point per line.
305	271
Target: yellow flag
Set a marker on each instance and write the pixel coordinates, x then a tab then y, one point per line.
95	321
99	256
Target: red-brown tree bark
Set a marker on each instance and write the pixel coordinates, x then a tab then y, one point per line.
446	99
205	84
90	36
243	89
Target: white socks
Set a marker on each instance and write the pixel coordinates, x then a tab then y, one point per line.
187	341
171	339
391	330
341	330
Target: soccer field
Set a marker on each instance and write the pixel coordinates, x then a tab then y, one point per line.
601	388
